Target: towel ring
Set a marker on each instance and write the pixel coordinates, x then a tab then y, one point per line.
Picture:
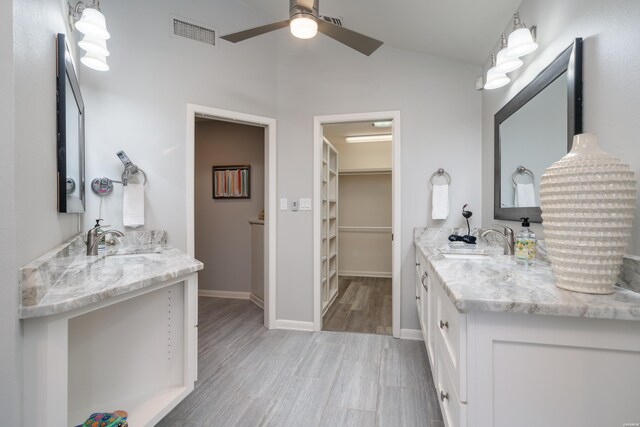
440	172
519	170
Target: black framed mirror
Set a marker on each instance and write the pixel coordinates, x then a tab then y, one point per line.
534	130
70	135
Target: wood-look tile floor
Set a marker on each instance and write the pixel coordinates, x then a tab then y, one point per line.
252	376
363	305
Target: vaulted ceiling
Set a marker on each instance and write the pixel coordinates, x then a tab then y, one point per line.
463	30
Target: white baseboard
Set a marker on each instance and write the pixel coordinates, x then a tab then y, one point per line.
294	325
383	274
411	334
223	294
256	300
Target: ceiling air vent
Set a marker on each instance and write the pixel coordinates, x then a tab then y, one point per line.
190	30
334	20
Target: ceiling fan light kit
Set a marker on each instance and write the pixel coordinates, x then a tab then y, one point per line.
304	23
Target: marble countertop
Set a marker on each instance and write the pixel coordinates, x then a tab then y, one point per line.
65	278
500	284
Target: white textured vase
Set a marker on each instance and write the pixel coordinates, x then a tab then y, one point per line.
588	200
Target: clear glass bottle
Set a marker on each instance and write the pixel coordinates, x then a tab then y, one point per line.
525	244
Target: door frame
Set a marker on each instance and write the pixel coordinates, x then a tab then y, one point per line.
396	222
269	124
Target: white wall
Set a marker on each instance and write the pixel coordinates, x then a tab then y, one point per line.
10	350
29	222
39	226
222	229
611	63
140	105
441	127
364	201
372	155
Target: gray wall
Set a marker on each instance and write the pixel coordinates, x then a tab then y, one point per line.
440	127
10	350
223	232
611	63
140	106
29	222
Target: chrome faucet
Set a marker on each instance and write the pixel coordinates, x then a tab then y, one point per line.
96	235
507	237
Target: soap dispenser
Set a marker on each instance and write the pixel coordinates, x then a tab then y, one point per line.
525	245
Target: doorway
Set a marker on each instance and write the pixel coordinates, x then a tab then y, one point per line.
360	211
266	127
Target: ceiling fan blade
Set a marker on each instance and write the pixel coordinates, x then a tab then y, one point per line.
357	41
247	34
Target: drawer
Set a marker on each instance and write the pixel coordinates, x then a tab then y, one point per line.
450	329
454	412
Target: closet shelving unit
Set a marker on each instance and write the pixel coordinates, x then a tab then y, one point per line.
329	214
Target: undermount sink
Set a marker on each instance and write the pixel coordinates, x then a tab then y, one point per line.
475	256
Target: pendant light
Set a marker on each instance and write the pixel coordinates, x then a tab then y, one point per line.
504	63
521	39
495	79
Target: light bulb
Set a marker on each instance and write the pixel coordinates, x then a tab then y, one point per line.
93	24
93	45
496	79
95	62
505	64
303	27
520	43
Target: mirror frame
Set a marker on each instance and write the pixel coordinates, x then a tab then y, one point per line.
570	61
65	69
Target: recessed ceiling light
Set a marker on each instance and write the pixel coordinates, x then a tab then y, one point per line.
368	138
382	124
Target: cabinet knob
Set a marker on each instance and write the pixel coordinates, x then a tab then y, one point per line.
444	396
444	325
417	297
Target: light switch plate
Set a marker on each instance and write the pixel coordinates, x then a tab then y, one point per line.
305	204
294	205
284	204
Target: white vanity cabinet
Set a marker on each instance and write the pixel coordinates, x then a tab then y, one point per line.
499	368
135	352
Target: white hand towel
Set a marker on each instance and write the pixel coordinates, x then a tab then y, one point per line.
440	202
133	205
525	196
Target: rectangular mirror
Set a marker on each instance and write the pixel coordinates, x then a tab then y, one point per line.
70	137
534	130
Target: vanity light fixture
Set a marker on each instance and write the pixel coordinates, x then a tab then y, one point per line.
382	124
521	40
89	20
304	26
504	63
495	79
369	138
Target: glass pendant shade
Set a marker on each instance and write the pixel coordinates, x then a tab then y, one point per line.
95	62
93	24
93	45
303	27
496	79
520	43
505	64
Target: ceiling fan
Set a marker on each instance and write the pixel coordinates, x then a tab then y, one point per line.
304	22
